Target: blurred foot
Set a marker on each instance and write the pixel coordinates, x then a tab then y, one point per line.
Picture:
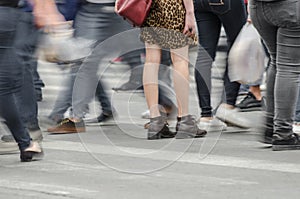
67	126
103	120
229	114
212	124
47	121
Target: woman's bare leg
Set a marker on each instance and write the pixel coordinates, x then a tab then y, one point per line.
180	61
150	78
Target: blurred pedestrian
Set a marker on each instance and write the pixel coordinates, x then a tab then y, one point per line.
95	21
11	74
26	42
278	23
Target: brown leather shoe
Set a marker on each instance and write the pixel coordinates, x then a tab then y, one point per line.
67	126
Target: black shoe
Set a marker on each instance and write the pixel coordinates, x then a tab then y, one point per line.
250	103
279	143
130	86
33	152
105	119
159	129
186	127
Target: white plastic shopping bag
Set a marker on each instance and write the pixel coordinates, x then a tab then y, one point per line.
246	59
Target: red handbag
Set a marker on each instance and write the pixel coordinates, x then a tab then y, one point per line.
134	11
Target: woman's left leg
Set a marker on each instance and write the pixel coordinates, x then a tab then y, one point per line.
186	124
181	79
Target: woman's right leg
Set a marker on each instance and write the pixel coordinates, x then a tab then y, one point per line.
150	78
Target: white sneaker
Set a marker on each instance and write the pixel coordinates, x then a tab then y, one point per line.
232	116
212	125
296	127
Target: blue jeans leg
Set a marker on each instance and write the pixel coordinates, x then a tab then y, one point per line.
11	76
26	43
96	22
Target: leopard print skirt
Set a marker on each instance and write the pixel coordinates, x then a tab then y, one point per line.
164	25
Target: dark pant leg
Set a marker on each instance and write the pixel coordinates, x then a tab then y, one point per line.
26	42
97	22
10	76
103	98
209	27
232	21
281	36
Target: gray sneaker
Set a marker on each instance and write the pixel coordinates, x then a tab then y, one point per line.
8	148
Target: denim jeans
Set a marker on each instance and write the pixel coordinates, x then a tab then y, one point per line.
64	100
278	24
11	72
210	17
26	43
96	22
100	22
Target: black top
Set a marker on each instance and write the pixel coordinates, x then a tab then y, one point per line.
9	3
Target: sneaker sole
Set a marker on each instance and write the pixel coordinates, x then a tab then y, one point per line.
285	147
213	128
78	130
250	109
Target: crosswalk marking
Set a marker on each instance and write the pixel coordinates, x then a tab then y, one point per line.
193	158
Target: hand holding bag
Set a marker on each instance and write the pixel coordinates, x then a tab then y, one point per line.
134	11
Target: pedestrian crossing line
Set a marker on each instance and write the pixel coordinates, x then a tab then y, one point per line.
192	158
49	189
